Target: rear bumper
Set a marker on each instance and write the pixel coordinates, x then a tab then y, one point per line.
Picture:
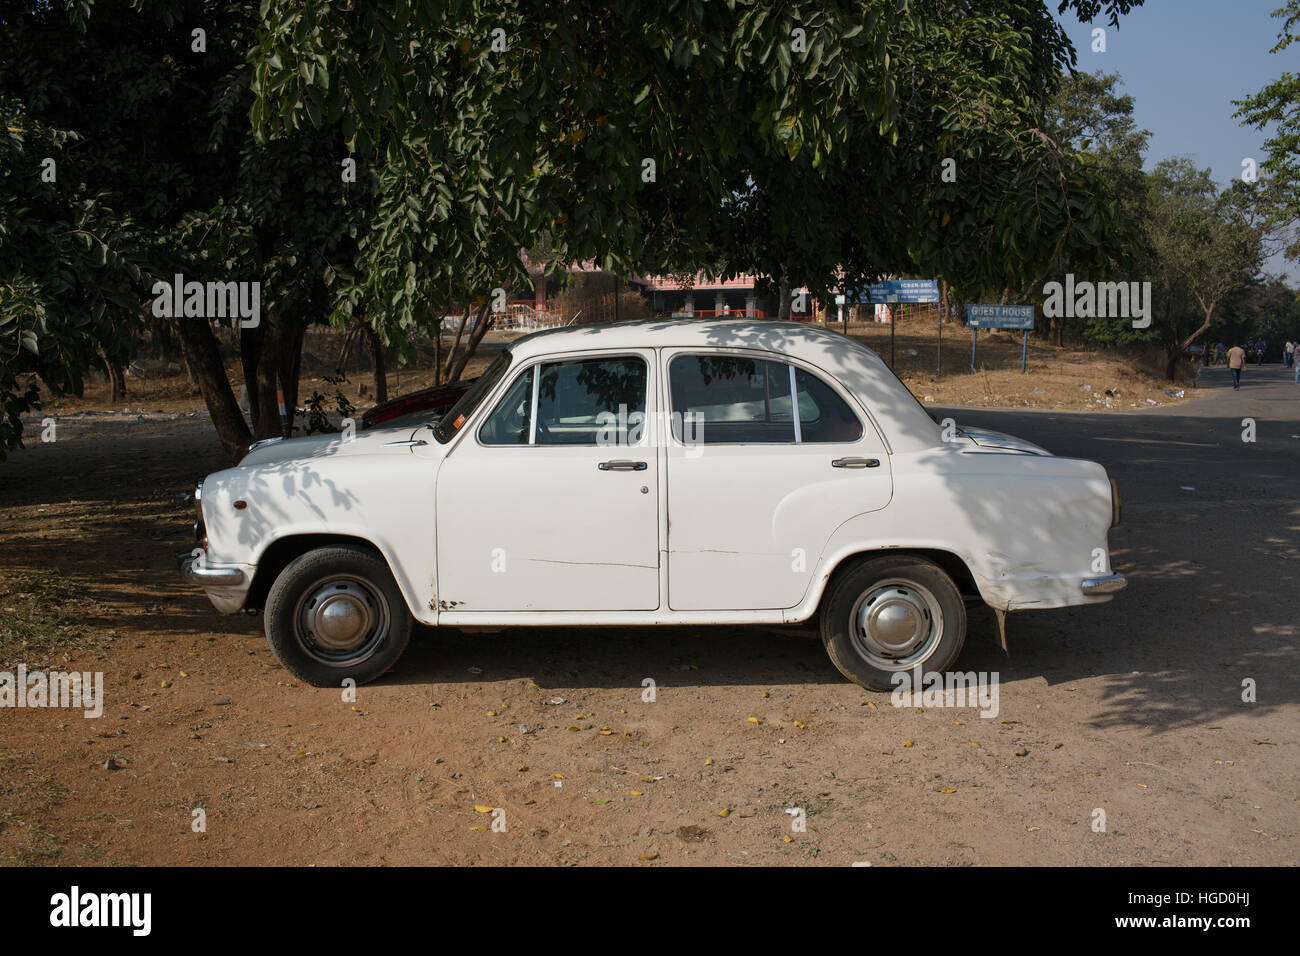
1032	590
1107	584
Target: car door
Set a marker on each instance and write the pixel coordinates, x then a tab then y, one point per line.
757	482
552	503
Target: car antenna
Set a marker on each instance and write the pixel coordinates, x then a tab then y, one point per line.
574	319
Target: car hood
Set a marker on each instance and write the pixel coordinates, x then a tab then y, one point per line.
1001	441
372	441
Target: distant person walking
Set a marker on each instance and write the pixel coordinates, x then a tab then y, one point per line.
1288	356
1236	362
1218	353
1260	346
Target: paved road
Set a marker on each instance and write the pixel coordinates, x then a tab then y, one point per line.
1210	539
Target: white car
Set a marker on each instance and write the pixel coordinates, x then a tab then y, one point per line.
649	473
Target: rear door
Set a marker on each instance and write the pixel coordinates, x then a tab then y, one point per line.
757	482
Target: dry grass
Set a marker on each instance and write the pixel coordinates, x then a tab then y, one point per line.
1068	378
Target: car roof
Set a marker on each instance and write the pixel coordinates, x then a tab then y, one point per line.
906	425
679	333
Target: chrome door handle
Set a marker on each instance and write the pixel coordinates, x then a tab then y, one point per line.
856	463
622	466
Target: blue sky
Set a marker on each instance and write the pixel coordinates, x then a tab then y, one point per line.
1184	62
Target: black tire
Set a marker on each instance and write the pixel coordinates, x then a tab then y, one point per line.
905	591
336	613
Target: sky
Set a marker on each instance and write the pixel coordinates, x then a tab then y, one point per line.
1184	62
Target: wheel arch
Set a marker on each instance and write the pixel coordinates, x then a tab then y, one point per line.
949	562
280	552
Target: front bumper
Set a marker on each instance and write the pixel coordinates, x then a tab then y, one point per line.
209	577
1108	584
227	588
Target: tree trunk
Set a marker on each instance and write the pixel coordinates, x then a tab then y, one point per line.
250	354
480	329
377	361
117	380
783	299
455	344
276	375
437	354
204	357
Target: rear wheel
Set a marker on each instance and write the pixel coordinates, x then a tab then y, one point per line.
336	613
889	615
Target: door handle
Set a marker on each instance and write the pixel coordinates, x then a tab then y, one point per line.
622	466
856	463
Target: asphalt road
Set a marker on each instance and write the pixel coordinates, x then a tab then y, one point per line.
1210	539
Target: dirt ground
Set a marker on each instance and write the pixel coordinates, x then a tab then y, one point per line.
1132	707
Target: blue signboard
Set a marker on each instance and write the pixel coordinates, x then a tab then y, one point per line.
1000	316
904	290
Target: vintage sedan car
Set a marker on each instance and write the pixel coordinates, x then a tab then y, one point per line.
651	473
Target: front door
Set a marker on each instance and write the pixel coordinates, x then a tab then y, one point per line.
552	503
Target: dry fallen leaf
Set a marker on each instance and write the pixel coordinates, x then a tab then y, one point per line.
725	812
709	762
752	720
649	856
947	790
482	809
907	743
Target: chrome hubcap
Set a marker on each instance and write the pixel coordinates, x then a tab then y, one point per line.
897	625
340	620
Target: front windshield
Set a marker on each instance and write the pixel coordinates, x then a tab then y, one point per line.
459	413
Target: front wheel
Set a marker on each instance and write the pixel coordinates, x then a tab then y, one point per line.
336	613
889	615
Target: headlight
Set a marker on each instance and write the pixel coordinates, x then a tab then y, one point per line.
200	532
1116	504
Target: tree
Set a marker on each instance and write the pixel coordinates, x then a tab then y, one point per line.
1278	105
1091	117
801	140
169	153
1207	244
67	270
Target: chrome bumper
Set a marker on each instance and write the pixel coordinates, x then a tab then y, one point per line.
209	577
1107	585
